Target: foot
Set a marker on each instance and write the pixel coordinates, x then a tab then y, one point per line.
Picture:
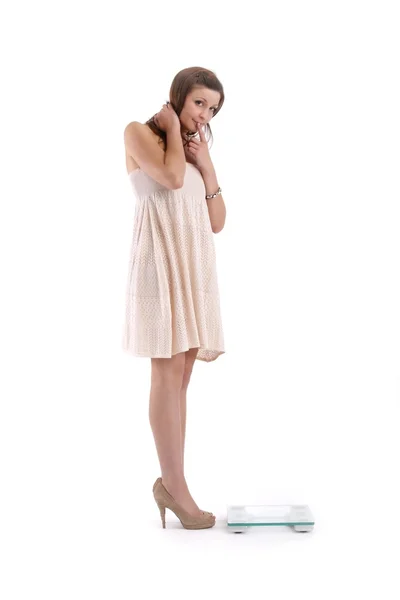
180	492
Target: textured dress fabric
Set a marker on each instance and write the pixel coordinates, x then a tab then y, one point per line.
172	295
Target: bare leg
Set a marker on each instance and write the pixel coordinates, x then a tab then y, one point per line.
183	423
165	421
190	357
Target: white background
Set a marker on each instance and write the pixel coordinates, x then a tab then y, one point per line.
303	407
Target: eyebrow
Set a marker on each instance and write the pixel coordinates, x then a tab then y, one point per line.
206	100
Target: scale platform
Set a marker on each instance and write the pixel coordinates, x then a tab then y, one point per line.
242	517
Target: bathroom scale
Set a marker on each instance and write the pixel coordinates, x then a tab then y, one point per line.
241	518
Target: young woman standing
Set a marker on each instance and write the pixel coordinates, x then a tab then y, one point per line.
172	297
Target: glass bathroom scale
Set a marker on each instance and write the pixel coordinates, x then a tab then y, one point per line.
242	517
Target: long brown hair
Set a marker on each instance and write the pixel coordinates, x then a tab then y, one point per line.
183	83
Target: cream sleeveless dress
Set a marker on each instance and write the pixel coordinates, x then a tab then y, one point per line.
172	296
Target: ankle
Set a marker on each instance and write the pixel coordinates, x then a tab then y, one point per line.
176	482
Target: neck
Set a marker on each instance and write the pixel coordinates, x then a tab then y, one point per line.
185	132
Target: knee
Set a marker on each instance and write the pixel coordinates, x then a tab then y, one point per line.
168	382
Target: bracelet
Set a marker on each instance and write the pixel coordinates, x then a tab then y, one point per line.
217	193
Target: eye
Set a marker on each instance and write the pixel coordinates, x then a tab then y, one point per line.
213	108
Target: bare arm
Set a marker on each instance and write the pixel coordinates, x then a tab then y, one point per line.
140	143
175	159
216	206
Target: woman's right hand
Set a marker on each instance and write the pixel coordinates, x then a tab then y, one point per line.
167	119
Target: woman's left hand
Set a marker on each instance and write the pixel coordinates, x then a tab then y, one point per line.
196	151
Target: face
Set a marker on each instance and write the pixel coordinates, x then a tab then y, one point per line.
200	106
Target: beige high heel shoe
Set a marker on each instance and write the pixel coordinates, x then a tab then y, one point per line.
165	500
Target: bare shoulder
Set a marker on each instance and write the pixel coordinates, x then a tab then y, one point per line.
141	131
135	127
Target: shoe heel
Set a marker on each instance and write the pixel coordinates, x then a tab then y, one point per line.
162	513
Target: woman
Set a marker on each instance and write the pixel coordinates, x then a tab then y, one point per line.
172	298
